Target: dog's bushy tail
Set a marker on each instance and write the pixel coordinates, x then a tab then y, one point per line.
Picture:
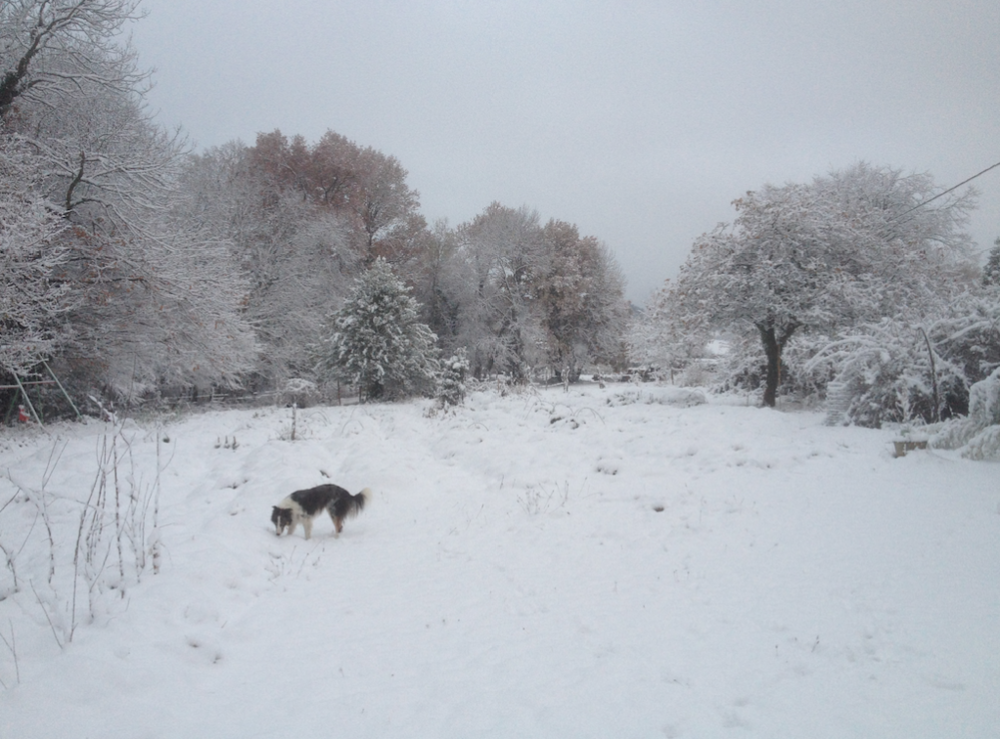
349	505
361	500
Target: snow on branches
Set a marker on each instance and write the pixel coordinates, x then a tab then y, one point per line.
378	342
848	248
31	299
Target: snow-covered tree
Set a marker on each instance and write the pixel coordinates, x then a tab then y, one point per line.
582	296
849	247
440	283
521	297
153	297
378	342
889	373
387	209
966	330
363	185
32	299
158	301
666	338
52	51
504	250
991	272
295	256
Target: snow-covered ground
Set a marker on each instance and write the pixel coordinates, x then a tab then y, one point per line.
603	562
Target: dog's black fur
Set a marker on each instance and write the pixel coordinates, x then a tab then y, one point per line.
304	505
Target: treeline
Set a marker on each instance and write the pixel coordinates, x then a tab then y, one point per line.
134	269
306	220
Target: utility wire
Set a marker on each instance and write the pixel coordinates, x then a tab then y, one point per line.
950	189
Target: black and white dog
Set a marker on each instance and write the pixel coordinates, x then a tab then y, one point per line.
303	506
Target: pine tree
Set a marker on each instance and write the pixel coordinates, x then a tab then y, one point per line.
378	342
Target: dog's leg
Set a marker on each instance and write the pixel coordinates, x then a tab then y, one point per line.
338	524
307	524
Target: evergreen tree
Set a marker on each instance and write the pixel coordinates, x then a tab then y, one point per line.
451	385
378	342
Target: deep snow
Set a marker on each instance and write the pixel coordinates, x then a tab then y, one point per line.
593	563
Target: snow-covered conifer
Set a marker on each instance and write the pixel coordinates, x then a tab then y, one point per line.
378	342
451	382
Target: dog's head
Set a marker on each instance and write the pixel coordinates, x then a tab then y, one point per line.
281	518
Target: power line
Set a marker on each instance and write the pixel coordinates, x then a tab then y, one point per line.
950	189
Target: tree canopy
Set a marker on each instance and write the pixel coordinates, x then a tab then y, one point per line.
853	245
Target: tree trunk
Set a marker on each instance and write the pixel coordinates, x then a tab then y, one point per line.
774	344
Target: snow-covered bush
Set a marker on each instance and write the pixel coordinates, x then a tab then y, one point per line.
679	397
979	434
664	338
378	343
882	374
895	370
451	381
984	445
967	332
984	415
984	401
300	392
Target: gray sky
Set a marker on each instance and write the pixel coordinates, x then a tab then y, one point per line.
639	121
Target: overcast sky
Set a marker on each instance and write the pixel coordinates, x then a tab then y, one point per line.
639	121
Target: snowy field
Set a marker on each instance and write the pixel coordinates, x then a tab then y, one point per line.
609	562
